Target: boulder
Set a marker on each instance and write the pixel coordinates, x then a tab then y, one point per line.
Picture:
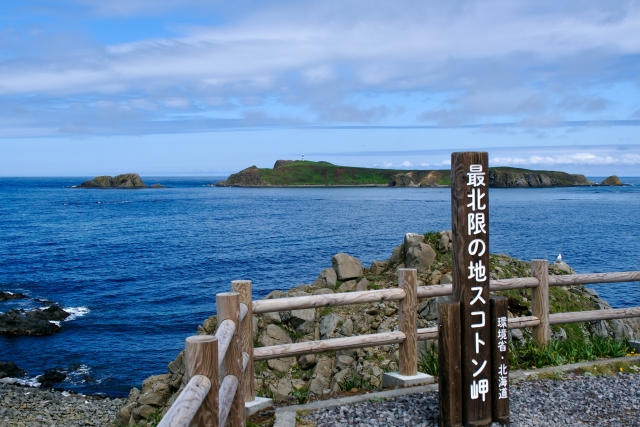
362	285
429	309
347	286
338	379
51	376
446	279
307	361
328	325
343	362
283	389
15	323
272	317
11	370
323	291
298	317
412	239
326	279
347	328
5	296
273	335
378	267
346	266
397	255
420	257
446	242
54	313
321	376
281	365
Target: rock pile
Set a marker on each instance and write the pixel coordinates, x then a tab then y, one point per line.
296	379
35	322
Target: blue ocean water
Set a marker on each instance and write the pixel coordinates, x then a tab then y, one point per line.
140	268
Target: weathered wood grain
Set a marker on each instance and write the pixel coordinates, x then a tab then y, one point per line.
593	315
244	309
472	200
500	357
408	321
243	287
228	306
517	283
201	358
522	322
449	367
540	301
316	301
592	278
225	333
427	333
312	347
434	291
228	389
187	404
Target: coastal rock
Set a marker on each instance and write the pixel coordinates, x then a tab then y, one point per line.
15	323
362	285
613	180
280	163
328	325
420	257
51	376
378	267
273	335
307	361
397	255
11	370
347	286
402	180
346	266
326	279
53	313
5	296
249	177
127	180
514	177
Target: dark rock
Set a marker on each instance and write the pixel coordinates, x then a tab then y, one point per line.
54	313
514	177
51	376
15	323
613	180
10	369
402	180
5	296
127	180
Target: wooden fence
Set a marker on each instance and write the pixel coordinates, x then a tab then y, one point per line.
219	368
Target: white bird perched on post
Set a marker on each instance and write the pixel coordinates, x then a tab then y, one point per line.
559	259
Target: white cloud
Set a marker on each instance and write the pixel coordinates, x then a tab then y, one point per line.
406	164
567	159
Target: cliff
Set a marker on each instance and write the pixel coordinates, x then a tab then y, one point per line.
288	173
127	180
613	180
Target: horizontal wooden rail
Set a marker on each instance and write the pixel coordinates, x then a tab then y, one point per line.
325	300
517	283
593	315
523	322
224	334
592	278
434	291
312	347
187	404
427	334
227	393
243	311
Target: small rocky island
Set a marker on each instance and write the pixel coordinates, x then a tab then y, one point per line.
290	173
612	181
127	181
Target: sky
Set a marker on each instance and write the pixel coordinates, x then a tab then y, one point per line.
209	87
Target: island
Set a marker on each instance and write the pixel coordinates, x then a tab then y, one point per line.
289	173
127	181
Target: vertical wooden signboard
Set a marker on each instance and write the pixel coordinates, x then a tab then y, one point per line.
470	225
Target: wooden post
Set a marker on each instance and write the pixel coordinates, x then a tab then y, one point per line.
408	321
540	301
470	226
201	358
243	287
228	306
449	369
500	360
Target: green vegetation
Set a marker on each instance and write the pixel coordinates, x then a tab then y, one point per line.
428	361
355	381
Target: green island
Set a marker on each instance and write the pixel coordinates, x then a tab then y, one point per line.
289	173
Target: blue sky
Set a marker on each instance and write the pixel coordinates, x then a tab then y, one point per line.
209	87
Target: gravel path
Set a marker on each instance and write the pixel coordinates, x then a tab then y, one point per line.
34	407
577	400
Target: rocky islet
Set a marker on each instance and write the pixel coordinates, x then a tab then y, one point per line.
124	181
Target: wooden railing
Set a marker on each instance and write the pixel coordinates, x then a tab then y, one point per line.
219	369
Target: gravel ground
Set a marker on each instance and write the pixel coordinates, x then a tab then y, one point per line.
574	401
35	407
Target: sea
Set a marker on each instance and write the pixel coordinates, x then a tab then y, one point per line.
139	269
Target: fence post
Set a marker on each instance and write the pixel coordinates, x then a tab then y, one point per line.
540	301
407	321
201	358
243	287
228	307
449	364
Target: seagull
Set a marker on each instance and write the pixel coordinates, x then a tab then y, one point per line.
559	259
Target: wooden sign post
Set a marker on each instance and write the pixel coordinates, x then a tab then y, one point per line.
470	226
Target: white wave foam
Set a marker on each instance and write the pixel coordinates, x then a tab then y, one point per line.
55	322
75	312
29	382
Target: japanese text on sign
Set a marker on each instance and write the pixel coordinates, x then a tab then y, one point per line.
503	374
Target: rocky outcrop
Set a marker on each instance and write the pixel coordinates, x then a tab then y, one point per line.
10	370
293	379
36	322
249	177
409	180
51	376
522	178
613	180
6	296
127	181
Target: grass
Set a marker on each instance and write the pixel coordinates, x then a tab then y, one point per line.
355	381
428	361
